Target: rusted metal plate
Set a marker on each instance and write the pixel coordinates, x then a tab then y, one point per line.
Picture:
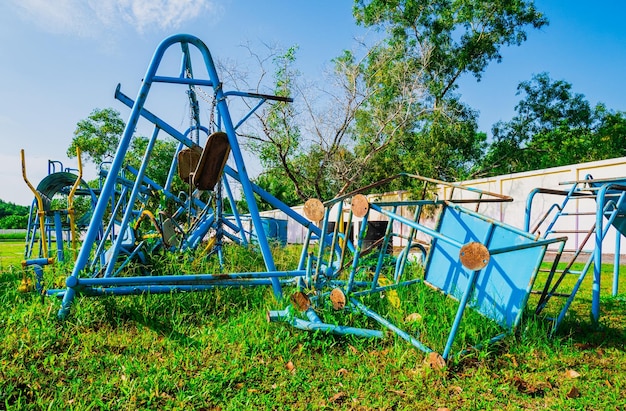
474	256
338	299
212	161
314	209
360	205
188	159
301	301
170	235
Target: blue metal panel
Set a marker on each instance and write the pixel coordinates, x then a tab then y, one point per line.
502	287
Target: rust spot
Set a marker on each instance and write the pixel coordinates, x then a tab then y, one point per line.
360	205
338	299
301	301
314	209
474	256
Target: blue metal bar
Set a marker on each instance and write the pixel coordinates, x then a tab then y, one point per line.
109	231
315	324
37	261
538	243
172	170
420	227
247	116
233	206
465	298
276	203
149	116
616	261
401	333
303	254
404	254
183	80
321	245
357	253
59	235
179	279
381	287
114	251
597	253
385	244
160	289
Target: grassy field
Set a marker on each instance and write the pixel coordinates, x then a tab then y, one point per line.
11	253
216	351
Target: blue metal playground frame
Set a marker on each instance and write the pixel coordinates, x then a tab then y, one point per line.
98	263
481	263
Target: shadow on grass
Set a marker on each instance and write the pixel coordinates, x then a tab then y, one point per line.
118	316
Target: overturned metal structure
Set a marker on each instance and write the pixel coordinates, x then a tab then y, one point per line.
566	215
481	263
435	241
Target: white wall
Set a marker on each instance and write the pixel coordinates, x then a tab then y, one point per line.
518	186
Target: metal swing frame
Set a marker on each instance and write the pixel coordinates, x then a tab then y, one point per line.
97	270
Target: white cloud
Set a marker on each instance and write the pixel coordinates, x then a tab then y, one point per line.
92	18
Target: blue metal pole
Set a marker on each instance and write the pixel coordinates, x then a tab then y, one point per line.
233	205
471	281
316	324
416	225
276	203
181	279
597	256
116	166
401	333
58	228
357	253
129	211
616	260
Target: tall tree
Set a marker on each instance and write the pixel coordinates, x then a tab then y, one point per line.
553	126
430	44
391	107
98	135
303	146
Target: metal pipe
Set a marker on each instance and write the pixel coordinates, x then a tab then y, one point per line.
400	333
70	203
318	325
40	208
179	279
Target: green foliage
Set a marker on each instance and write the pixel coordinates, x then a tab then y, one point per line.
553	127
413	121
273	182
446	38
14	222
98	135
295	169
13	216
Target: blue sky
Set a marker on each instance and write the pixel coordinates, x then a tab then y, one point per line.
61	59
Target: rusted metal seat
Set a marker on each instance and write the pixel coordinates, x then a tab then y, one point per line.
212	161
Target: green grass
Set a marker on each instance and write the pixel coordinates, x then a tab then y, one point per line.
13	236
216	351
11	253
